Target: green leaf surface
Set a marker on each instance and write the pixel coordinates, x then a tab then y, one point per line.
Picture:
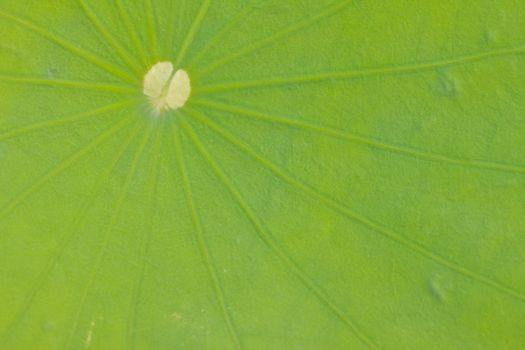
345	175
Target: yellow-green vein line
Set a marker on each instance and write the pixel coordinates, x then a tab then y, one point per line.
132	31
225	30
367	141
70	233
245	50
62	166
122	52
364	73
54	122
108	234
67	84
408	243
152	31
190	36
268	239
146	241
86	55
203	246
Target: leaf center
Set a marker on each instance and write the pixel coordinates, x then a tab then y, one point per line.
165	90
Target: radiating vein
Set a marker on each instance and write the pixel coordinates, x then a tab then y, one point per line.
356	138
70	233
245	50
152	31
363	73
86	55
67	83
57	121
190	36
224	30
108	234
180	25
203	246
310	191
62	166
132	31
146	241
121	51
270	241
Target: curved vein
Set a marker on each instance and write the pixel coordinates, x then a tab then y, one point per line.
364	73
54	122
270	241
203	246
62	166
367	141
403	241
331	10
132	31
190	36
86	55
108	234
97	23
70	233
67	83
224	30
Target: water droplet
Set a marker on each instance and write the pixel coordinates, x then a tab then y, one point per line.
48	326
489	37
439	287
447	85
52	72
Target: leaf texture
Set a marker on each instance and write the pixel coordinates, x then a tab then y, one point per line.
344	175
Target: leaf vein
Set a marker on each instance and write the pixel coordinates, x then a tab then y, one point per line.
364	73
132	33
254	46
367	141
71	232
190	36
54	122
60	168
108	234
270	241
408	243
86	55
97	23
203	245
67	83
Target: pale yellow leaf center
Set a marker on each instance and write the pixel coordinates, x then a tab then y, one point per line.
165	90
